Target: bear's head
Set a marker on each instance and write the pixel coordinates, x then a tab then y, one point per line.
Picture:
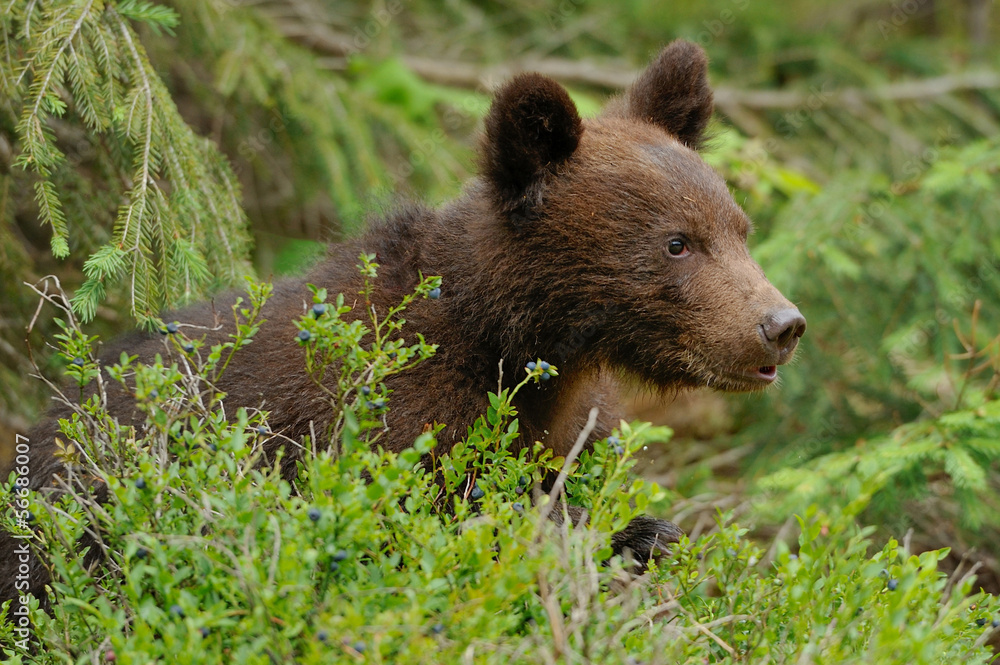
620	215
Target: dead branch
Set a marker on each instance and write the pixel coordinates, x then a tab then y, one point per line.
337	47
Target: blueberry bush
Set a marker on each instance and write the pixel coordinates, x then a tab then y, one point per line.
207	555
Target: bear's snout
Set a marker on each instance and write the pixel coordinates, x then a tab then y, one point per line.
781	331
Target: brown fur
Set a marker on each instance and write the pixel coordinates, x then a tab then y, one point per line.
558	251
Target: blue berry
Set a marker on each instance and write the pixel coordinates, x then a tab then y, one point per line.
546	377
78	362
618	450
318	310
30	517
995	623
434	293
334	566
544	366
613	441
172	327
531	366
359	646
339	555
189	348
477	493
177	611
519	491
262	430
154	393
378	404
141	553
980	622
314	514
437	628
140	483
893	584
366	391
522	481
304	335
214	448
322	636
518	507
392	355
204	631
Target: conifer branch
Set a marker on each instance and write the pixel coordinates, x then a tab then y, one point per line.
50	71
142	179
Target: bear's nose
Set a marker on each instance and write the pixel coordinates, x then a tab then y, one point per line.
782	329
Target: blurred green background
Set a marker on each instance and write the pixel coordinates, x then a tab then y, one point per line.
220	137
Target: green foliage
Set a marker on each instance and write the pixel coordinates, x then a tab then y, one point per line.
339	365
884	273
179	230
961	447
890	399
832	601
370	556
318	112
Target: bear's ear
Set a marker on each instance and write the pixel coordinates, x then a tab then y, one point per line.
532	127
673	93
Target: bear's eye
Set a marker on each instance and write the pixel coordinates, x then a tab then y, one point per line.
677	247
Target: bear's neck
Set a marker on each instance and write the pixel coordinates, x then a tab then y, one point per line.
503	298
509	297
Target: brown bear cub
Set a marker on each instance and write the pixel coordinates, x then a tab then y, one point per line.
605	246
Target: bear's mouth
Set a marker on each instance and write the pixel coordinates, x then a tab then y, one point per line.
752	379
767	373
